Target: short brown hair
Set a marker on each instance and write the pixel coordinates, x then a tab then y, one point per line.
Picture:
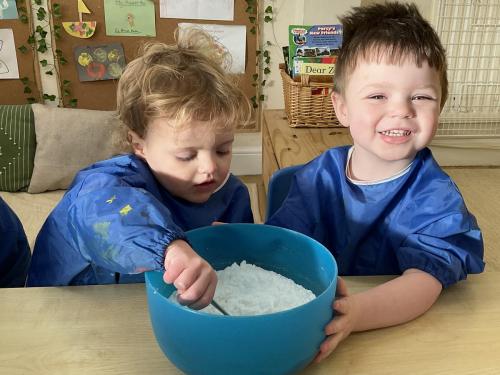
185	81
391	31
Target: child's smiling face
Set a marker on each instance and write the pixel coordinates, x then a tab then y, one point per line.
392	111
192	162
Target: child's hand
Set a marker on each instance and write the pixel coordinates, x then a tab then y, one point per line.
193	277
342	325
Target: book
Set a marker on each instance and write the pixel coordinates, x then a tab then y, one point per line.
312	41
324	65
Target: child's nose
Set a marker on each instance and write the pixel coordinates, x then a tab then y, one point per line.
403	109
208	164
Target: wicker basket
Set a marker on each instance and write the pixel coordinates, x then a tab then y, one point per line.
308	104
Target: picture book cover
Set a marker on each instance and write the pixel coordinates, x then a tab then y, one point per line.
313	41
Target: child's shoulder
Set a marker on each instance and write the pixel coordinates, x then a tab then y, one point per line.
335	157
127	169
429	168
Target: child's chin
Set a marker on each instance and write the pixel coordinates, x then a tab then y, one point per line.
199	198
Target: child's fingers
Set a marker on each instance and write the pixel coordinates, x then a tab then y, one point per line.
206	297
341	306
173	269
187	278
218	223
336	325
327	347
201	292
341	288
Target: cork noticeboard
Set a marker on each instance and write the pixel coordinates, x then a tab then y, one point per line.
12	90
102	94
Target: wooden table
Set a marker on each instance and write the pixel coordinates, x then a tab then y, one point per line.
283	146
106	330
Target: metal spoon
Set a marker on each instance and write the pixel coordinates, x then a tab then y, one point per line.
218	307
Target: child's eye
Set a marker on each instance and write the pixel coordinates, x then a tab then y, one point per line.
185	157
422	97
377	97
223	152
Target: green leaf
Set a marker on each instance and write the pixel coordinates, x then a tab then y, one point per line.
253	30
49	72
31	38
73	102
263	83
250	10
252	19
258	52
38	2
267	70
43	63
25	80
27	90
268	19
269	43
255	77
262	98
58	52
268	60
266	53
66	83
66	93
62	60
269	9
23	18
31	100
41	13
42	48
23	49
49	97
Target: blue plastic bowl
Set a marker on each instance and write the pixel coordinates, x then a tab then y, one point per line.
279	343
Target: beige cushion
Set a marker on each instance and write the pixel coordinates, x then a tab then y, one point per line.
69	140
32	209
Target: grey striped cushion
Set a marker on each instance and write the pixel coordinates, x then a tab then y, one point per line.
17	146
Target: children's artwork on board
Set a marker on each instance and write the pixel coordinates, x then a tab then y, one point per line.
8	10
130	18
80	28
233	37
98	63
8	58
220	10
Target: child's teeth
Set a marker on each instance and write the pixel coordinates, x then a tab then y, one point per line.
396	133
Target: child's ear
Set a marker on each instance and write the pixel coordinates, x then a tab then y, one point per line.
137	143
340	108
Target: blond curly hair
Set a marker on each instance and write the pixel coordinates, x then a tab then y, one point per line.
186	81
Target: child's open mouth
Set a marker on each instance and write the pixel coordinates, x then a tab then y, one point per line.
396	133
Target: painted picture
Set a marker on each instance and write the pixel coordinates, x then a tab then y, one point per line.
80	29
98	63
129	18
8	10
8	57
